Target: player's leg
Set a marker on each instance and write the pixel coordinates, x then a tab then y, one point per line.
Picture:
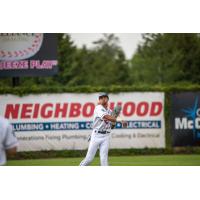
92	149
103	150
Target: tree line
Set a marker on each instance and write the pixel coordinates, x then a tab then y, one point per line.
159	59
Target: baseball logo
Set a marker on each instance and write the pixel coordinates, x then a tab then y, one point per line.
18	46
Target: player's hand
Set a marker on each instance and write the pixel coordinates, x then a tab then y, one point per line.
124	124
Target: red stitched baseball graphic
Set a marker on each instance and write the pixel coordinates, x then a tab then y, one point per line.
14	48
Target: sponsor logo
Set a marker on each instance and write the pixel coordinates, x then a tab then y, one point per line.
75	110
191	120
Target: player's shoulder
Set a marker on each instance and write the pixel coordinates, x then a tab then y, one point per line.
99	107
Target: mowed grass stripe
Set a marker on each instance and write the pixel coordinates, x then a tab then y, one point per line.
156	160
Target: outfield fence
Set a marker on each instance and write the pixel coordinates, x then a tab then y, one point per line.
59	118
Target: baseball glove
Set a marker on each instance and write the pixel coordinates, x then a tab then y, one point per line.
115	113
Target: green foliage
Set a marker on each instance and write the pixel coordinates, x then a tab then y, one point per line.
105	64
34	89
112	152
167	58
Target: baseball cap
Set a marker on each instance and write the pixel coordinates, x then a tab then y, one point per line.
103	94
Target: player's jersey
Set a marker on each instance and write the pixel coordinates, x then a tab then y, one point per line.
7	139
98	123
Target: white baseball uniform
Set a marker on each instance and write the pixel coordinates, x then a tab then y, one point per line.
7	139
100	137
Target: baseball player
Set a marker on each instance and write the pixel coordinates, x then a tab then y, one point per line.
8	141
102	123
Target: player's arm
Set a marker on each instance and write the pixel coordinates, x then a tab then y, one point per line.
113	119
110	118
10	142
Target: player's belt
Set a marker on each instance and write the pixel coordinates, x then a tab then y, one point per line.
103	132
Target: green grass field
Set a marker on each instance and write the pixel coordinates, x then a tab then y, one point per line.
157	160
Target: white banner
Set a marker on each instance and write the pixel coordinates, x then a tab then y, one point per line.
63	121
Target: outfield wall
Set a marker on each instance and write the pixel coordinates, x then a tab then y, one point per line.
176	99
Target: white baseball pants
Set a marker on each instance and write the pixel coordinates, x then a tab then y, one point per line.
100	141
